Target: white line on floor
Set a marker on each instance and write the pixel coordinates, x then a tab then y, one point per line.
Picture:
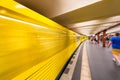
85	69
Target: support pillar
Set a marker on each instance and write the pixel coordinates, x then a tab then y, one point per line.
98	37
104	38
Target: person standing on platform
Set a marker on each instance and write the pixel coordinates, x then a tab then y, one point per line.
115	42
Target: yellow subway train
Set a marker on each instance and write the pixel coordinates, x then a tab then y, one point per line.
32	47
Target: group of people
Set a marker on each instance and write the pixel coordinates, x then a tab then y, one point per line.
93	39
113	41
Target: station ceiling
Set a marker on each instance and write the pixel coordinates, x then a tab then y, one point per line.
82	16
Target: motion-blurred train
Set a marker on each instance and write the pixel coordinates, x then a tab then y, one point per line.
32	47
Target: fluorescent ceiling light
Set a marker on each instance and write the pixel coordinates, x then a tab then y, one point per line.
116	29
83	31
20	21
108	25
114	18
70	5
104	22
85	23
84	3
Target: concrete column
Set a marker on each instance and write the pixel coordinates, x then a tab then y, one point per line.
98	36
104	38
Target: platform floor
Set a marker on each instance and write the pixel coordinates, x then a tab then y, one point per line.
101	65
99	61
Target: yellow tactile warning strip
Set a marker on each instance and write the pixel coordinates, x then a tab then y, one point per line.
71	67
85	69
